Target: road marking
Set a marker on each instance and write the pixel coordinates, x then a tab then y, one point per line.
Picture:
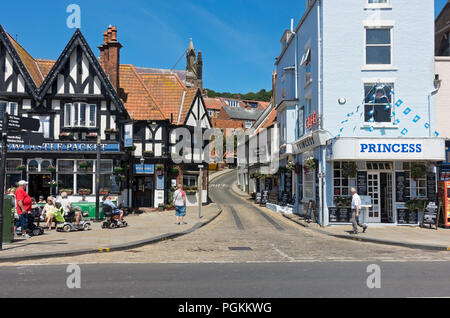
291	259
270	220
237	220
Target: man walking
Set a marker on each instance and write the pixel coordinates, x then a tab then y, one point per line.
356	209
179	200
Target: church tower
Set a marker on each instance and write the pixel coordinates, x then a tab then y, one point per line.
194	67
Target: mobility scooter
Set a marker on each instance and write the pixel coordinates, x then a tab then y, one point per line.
66	221
112	220
32	228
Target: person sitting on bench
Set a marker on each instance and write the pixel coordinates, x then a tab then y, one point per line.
107	201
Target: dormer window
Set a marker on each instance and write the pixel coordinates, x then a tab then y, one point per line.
80	115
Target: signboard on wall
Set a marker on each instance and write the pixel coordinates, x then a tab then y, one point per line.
160	182
144	169
362	183
63	147
128	138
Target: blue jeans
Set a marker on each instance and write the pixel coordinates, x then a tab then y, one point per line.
23	220
180	211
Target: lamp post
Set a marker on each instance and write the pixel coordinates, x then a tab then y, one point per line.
200	193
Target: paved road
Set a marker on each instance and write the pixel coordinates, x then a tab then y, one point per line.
245	252
228	280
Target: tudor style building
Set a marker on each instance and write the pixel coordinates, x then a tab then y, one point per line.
80	98
75	102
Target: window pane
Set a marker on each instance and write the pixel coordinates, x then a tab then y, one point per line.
92	115
67	115
65	181
13	109
106	166
2	109
66	165
378	55
45	165
85	183
83	115
379	115
76	115
378	36
85	165
378	93
12	165
105	182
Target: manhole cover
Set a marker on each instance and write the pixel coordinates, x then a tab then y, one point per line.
240	249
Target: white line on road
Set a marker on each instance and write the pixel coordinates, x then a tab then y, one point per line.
291	259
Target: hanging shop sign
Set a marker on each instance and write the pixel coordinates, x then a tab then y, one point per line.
311	141
63	147
425	149
128	138
312	121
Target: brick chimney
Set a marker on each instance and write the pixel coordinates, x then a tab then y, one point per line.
110	56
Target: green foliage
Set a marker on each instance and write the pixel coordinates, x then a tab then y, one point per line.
262	95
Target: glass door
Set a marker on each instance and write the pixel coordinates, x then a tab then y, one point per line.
374	192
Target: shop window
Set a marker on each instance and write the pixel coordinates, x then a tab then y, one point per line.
106	166
341	183
378	102
66	182
45	165
190	180
12	179
85	165
66	165
85	184
13	165
33	166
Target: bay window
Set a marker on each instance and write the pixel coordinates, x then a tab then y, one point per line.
80	115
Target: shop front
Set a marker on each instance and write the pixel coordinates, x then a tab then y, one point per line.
396	176
149	185
51	169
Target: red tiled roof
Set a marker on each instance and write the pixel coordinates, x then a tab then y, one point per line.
29	62
45	66
213	103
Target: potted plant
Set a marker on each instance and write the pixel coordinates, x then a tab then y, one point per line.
118	170
51	169
418	171
174	171
21	168
130	149
53	184
82	165
343	201
148	153
66	136
349	169
123	178
92	135
310	165
104	191
159	168
415	204
68	191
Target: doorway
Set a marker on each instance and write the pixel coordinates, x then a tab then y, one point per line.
373	188
38	184
144	192
386	202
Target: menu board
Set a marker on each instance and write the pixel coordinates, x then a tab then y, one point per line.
333	214
430	215
431	187
404	216
400	187
362	183
344	215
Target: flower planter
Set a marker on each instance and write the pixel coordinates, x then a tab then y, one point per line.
21	168
68	191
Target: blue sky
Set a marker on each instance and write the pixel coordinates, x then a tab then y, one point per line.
239	38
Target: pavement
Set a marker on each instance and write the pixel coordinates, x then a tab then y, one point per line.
143	229
406	236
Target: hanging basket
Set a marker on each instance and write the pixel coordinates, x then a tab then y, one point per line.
349	170
418	171
310	165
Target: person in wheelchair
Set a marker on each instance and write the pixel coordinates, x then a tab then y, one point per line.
70	213
116	211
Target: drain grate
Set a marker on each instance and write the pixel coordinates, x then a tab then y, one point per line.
240	249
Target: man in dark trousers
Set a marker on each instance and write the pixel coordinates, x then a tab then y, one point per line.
356	209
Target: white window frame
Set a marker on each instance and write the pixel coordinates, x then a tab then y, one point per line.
75	122
379	66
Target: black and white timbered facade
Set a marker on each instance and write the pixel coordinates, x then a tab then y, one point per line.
76	104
